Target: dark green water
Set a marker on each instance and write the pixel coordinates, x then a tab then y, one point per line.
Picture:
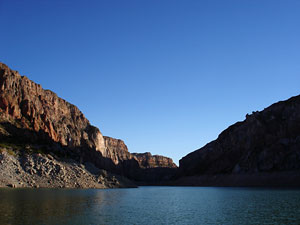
150	205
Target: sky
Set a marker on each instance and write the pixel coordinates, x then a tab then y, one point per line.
165	76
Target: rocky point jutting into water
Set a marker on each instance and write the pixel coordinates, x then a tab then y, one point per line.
36	121
263	150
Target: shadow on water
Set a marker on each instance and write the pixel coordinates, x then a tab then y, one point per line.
45	206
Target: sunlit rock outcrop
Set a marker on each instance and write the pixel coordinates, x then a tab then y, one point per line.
43	110
147	160
34	118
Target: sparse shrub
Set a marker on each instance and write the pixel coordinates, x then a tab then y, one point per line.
11	152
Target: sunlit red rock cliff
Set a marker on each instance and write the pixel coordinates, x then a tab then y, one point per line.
30	114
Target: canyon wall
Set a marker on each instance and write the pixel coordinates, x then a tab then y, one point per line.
265	142
42	110
31	115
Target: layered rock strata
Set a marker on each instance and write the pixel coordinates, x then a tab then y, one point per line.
30	115
42	110
141	167
147	160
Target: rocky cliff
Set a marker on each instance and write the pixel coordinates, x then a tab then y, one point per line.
154	169
147	160
141	167
123	161
266	142
42	110
37	118
116	149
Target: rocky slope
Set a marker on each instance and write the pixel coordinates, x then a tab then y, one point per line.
24	169
30	115
266	142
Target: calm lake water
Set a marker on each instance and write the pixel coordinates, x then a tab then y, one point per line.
150	205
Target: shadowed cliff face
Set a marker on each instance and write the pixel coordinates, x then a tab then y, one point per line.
39	109
267	141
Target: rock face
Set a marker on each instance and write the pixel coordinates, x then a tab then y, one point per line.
154	169
120	160
141	167
265	142
147	160
116	150
30	115
42	110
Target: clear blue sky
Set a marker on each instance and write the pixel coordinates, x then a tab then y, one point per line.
165	76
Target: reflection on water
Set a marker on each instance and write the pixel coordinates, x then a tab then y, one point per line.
27	206
150	205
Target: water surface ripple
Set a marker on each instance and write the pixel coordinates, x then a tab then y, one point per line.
150	205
